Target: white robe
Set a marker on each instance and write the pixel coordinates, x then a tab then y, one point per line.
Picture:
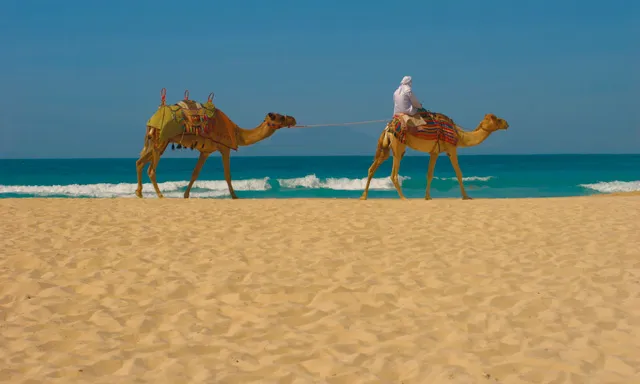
404	101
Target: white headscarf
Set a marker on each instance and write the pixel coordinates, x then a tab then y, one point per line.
405	84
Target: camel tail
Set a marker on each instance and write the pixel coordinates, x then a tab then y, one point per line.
147	140
384	141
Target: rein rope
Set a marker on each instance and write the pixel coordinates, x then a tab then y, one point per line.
340	124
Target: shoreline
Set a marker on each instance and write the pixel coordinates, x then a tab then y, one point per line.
599	195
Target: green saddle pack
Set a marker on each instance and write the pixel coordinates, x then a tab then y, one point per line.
186	116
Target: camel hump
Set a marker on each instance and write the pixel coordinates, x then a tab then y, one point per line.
207	121
443	117
195	117
436	116
426	125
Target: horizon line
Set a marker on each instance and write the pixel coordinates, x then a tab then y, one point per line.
259	156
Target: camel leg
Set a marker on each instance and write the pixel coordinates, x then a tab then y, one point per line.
453	156
225	153
381	156
155	159
196	171
398	154
145	157
432	166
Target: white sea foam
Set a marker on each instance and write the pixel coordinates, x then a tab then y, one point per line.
468	178
201	188
614	186
208	188
340	184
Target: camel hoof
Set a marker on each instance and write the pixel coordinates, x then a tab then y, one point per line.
428	198
139	194
363	197
186	195
466	198
234	197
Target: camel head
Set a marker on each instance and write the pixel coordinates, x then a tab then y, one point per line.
277	121
492	123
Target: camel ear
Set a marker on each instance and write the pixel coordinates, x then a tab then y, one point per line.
271	115
492	116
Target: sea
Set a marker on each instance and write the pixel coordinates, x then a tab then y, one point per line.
485	176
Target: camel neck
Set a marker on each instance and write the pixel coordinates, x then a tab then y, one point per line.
252	136
473	138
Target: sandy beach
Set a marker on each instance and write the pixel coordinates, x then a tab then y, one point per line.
320	291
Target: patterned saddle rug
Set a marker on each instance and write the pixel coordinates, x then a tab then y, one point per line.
195	118
192	117
425	125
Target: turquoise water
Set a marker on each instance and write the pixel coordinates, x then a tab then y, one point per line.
327	177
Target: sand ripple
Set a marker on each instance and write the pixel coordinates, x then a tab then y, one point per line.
517	291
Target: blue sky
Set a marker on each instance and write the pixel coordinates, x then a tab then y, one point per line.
80	78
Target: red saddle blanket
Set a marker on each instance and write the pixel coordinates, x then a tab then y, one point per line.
425	125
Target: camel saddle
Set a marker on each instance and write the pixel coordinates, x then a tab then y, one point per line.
425	125
192	117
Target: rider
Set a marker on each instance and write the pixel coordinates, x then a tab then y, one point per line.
404	101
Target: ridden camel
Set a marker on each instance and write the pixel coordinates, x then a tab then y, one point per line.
388	141
154	147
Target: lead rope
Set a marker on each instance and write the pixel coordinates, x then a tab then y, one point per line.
341	124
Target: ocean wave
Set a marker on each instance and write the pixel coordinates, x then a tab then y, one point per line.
339	184
346	184
201	188
212	188
614	186
468	178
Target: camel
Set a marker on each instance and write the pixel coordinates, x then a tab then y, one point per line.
154	145
388	140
